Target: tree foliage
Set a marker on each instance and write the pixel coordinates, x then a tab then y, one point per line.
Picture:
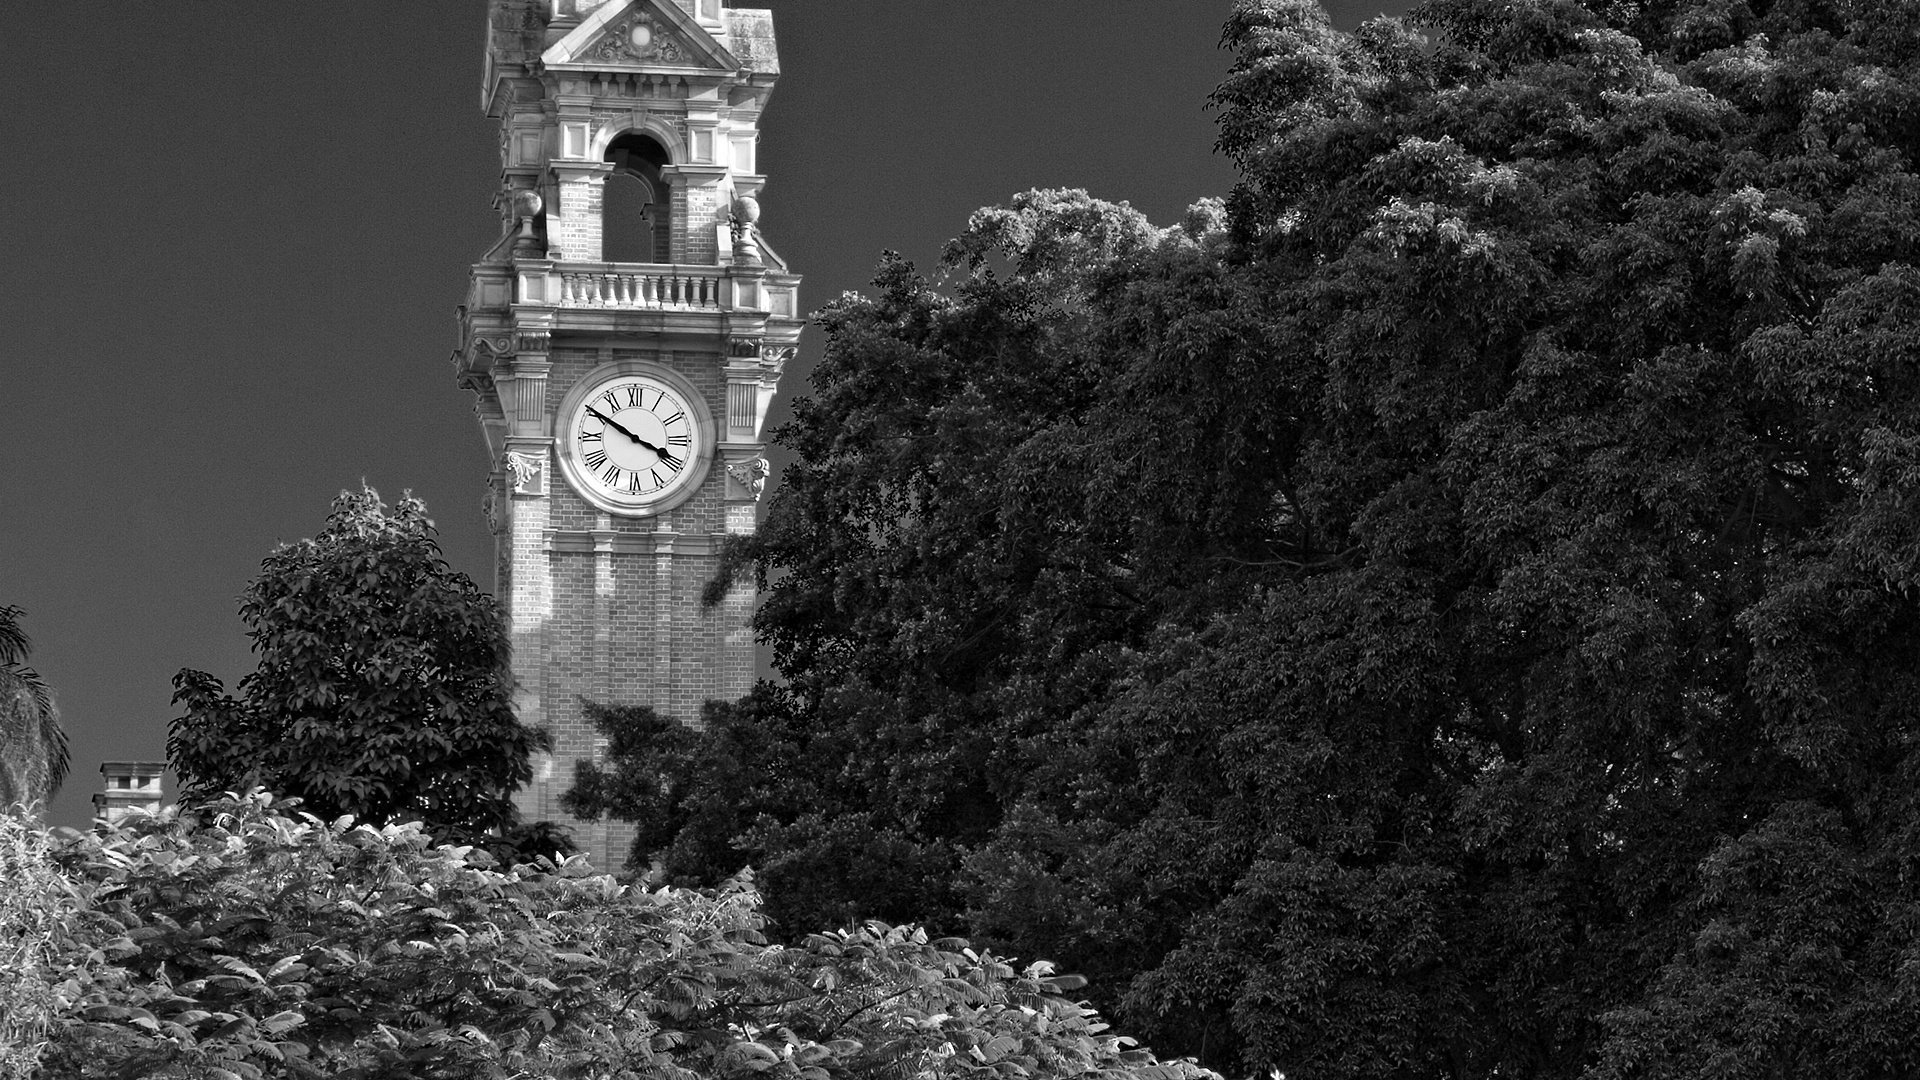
382	688
33	745
32	938
1448	611
244	942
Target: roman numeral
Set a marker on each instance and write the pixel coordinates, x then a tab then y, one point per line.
634	392
590	436
612	402
675	418
671	462
596	459
633	484
678	440
611	476
655	473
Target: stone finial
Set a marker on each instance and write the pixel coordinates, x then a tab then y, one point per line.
746	211
526	207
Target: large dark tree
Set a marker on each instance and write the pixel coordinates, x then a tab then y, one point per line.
382	689
1454	615
33	745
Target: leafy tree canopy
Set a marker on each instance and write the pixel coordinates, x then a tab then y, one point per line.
382	689
33	745
243	942
1448	611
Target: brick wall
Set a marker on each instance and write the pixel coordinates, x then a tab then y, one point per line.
575	230
621	627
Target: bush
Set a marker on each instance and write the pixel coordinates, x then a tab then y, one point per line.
247	942
31	928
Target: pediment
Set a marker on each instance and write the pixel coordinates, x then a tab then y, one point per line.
639	34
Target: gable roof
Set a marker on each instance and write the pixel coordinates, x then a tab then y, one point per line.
640	34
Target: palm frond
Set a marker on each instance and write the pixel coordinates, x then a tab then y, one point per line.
33	746
14	642
30	732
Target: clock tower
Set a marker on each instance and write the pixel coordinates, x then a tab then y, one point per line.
623	340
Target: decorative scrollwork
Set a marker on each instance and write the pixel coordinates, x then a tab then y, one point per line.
490	506
528	472
638	39
751	475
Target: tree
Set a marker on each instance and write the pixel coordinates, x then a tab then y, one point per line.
1451	612
382	689
33	745
925	609
32	943
246	942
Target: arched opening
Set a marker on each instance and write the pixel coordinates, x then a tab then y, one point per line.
635	203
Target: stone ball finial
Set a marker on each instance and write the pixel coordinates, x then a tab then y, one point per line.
747	209
526	204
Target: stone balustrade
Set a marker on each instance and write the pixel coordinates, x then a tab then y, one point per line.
637	286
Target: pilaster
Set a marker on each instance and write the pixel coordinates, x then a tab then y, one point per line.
573	229
526	470
698	200
523	386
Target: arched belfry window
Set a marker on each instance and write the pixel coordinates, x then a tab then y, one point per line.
635	205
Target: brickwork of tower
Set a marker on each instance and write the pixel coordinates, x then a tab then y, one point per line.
603	601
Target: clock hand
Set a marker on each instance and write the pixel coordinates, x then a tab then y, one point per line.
615	425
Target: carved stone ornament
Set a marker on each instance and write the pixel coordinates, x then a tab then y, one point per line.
638	39
751	475
490	506
743	347
776	356
528	473
533	341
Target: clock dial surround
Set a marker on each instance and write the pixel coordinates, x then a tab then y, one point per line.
634	439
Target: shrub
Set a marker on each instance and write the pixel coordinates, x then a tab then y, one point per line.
31	928
247	942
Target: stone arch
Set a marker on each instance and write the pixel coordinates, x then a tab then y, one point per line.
652	127
637	200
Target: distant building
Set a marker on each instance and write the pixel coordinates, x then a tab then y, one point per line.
130	786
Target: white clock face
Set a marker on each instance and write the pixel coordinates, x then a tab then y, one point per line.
633	443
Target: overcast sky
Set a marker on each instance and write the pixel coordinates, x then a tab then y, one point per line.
237	231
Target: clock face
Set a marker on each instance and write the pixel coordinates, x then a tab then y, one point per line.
633	443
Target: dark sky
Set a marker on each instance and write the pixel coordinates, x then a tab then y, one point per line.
237	231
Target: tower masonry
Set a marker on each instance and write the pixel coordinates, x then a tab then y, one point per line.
623	340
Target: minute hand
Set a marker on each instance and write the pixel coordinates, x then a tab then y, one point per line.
615	425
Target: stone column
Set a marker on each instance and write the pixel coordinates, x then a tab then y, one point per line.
527	474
